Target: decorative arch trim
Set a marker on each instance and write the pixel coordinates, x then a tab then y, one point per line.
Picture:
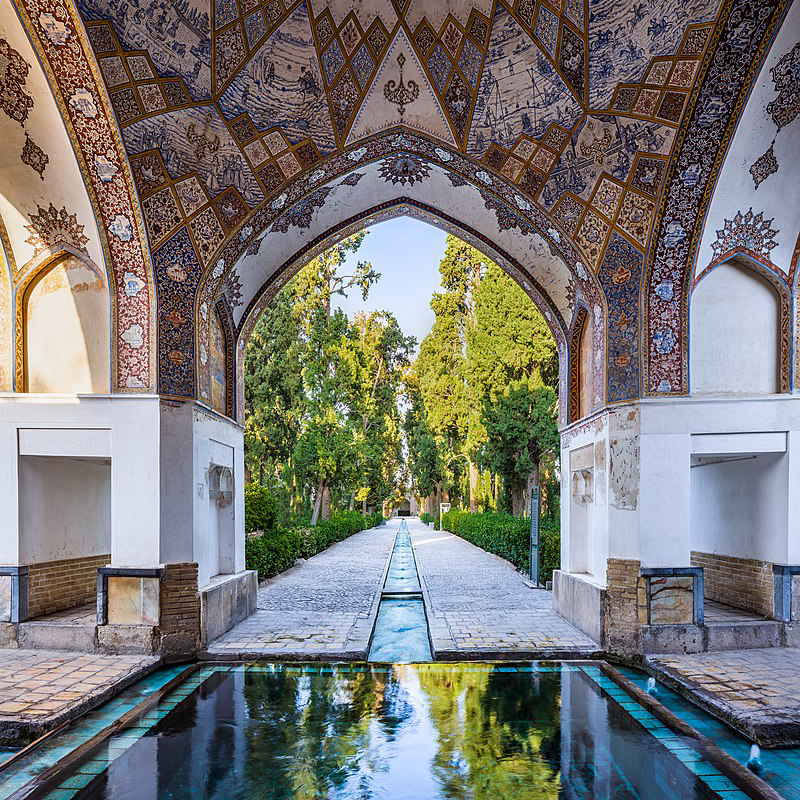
737	48
579	328
229	332
398	207
79	92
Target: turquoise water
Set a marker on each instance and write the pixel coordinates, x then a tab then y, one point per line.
401	627
782	765
402	732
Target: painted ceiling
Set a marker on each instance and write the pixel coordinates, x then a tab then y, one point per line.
573	117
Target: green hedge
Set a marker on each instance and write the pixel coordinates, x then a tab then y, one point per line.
509	537
426	518
277	550
260	508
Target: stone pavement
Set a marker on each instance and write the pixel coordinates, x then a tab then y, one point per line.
479	606
40	689
755	691
322	609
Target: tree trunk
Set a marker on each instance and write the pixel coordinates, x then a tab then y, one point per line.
326	504
321	488
517	500
473	486
364	506
352	501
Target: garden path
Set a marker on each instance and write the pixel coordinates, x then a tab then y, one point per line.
323	608
479	606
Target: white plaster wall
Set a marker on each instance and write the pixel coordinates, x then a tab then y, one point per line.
67	331
734	333
756	506
65	508
739	508
193	442
68	425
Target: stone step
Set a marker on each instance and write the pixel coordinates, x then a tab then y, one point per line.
743	635
45	635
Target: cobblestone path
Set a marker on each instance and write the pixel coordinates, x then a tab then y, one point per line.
322	609
479	606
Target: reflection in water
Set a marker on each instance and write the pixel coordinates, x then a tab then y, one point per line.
444	731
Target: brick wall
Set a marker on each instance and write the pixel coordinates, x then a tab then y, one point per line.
739	582
60	585
180	611
624	606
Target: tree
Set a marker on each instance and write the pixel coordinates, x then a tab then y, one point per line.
521	430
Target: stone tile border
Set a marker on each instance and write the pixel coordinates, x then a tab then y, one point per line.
41	690
743	782
307	634
756	692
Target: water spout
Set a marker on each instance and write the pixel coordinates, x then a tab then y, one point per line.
651	687
754	763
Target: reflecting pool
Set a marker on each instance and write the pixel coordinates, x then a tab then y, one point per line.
410	731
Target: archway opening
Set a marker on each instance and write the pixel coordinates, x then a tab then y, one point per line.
440	388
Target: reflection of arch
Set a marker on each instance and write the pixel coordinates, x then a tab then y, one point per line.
740	314
402	206
226	405
63	328
580	386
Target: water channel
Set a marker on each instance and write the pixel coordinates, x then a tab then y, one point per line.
401	628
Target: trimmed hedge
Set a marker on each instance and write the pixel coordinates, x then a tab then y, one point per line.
509	537
260	508
426	518
276	550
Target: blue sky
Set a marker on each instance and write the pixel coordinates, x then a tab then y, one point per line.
407	253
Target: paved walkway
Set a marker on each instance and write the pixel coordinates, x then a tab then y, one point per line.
756	691
480	607
40	689
322	609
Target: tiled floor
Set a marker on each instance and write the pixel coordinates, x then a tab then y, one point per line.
718	613
479	606
758	691
41	689
81	615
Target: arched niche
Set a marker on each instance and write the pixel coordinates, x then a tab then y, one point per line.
63	329
738	331
580	367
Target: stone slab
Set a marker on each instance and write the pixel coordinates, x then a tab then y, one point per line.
322	609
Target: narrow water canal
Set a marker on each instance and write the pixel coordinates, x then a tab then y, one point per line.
401	629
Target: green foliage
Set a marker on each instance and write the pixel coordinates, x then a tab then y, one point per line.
277	550
272	552
425	517
260	508
509	537
521	430
322	421
487	363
